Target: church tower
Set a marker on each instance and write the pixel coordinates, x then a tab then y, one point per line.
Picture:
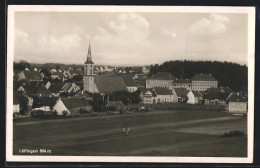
88	77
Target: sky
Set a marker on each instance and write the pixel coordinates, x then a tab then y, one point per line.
129	39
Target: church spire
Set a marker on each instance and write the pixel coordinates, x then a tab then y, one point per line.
89	57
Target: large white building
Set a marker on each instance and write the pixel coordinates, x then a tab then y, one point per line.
201	82
161	79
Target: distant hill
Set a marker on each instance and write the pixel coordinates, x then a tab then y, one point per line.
228	74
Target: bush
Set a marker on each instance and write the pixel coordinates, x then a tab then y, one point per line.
233	133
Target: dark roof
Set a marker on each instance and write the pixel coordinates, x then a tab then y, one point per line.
56	88
32	75
109	84
163	76
203	77
181	92
46	101
74	102
237	97
82	94
43	91
182	81
218	90
162	91
117	104
89	62
141	76
128	80
196	93
217	95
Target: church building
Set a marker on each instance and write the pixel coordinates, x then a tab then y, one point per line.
100	84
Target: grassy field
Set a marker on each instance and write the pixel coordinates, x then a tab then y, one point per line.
166	133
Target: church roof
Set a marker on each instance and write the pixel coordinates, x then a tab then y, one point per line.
89	58
109	84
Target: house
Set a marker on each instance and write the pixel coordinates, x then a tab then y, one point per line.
161	79
43	92
56	89
182	83
237	103
158	95
71	106
117	105
130	83
70	88
149	97
83	94
218	98
146	69
201	82
43	105
16	104
194	97
29	75
180	94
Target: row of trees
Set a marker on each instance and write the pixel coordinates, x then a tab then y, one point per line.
228	74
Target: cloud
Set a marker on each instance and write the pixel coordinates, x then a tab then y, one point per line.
66	42
172	34
214	25
127	30
21	39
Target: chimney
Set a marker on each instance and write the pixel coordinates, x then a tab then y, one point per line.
237	94
209	74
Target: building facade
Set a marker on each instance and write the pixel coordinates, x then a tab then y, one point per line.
201	82
161	79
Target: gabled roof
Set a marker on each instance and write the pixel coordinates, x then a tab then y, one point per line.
182	81
152	91
32	75
216	95
203	77
237	97
196	93
117	104
82	94
128	79
74	102
163	76
56	88
43	91
162	91
218	90
181	92
109	84
46	101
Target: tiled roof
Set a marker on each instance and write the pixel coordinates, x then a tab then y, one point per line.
43	91
237	97
109	84
117	104
162	91
217	90
46	101
181	92
217	95
32	75
128	80
82	94
163	76
203	77
56	88
182	81
196	93
74	103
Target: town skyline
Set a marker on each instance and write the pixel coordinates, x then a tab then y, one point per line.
130	39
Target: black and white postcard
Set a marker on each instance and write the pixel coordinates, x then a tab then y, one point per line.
158	84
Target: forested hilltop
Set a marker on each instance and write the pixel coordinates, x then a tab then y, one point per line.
228	74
